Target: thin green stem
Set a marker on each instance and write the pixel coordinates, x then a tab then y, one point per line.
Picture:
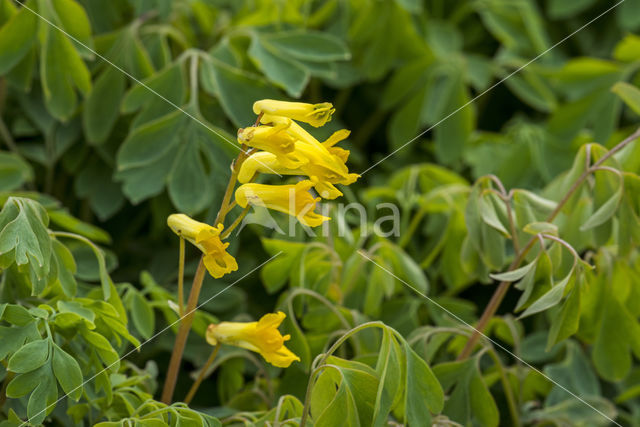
235	223
501	291
413	225
8	139
201	375
181	278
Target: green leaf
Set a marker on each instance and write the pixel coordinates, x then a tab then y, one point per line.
514	275
605	211
567	320
627	49
189	187
169	83
482	403
628	15
23	384
276	272
405	267
142	315
17	36
14	171
237	91
67	372
389	368
539	227
104	349
551	297
532	89
42	400
102	106
63	219
574	373
490	216
405	122
309	45
288	74
341	409
359	383
423	392
617	332
104	203
30	357
149	142
74	20
61	70
629	94
560	9
469	399
77	308
66	267
23	223
403	83
13	338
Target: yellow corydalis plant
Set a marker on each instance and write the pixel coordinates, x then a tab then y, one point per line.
206	238
262	337
287	149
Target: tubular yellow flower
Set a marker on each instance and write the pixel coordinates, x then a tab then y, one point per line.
314	114
325	161
273	139
262	337
207	239
264	162
294	200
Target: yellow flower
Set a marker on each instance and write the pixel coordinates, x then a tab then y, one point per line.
325	162
264	162
207	239
262	337
314	114
294	200
273	139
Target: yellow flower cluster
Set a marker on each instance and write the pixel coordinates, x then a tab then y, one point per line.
262	337
288	149
285	149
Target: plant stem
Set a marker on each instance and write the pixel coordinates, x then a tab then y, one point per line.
413	225
181	279
8	139
187	320
501	291
201	375
235	223
183	334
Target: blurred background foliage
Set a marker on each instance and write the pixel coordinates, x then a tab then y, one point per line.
110	159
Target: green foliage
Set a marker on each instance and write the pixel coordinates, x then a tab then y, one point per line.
114	115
